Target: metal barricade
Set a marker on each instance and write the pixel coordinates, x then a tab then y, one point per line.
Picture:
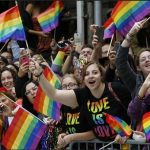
97	144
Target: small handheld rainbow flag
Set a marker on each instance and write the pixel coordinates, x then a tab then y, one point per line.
109	28
120	126
49	19
126	13
42	103
24	132
146	125
11	25
57	63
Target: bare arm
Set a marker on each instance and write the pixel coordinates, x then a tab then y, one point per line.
84	136
66	97
67	63
64	139
97	51
39	33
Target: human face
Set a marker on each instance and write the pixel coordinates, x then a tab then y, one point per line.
78	74
69	83
8	56
2	64
105	50
92	78
31	90
6	101
86	54
144	63
7	80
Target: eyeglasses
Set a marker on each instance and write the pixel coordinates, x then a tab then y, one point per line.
70	85
144	58
32	89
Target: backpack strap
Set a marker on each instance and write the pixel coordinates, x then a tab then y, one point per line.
115	95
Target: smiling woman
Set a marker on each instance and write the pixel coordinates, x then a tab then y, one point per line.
7	80
95	98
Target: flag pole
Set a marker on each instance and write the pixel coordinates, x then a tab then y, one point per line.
20	106
112	37
102	148
27	45
4	45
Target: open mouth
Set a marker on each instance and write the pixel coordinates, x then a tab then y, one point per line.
147	65
92	82
8	85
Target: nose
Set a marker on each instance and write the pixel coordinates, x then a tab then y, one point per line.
147	59
32	92
90	75
6	80
85	54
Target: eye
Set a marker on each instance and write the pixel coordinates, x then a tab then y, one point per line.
142	59
9	77
3	100
34	88
64	86
95	72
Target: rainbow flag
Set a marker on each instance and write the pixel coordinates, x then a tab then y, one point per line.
44	104
57	63
49	19
11	25
120	126
24	132
126	13
146	125
109	28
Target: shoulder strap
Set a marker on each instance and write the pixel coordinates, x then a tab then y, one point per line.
115	95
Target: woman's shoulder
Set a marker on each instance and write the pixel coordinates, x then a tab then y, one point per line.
81	90
81	95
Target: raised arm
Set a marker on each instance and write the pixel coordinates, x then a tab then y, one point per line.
126	73
138	106
66	97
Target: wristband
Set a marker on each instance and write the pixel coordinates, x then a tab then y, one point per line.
140	98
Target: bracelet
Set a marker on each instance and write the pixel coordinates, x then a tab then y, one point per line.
139	97
130	35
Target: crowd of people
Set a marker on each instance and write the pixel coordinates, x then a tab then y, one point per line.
96	78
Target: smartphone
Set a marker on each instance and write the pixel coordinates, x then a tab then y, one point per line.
24	56
116	46
77	38
100	33
24	59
